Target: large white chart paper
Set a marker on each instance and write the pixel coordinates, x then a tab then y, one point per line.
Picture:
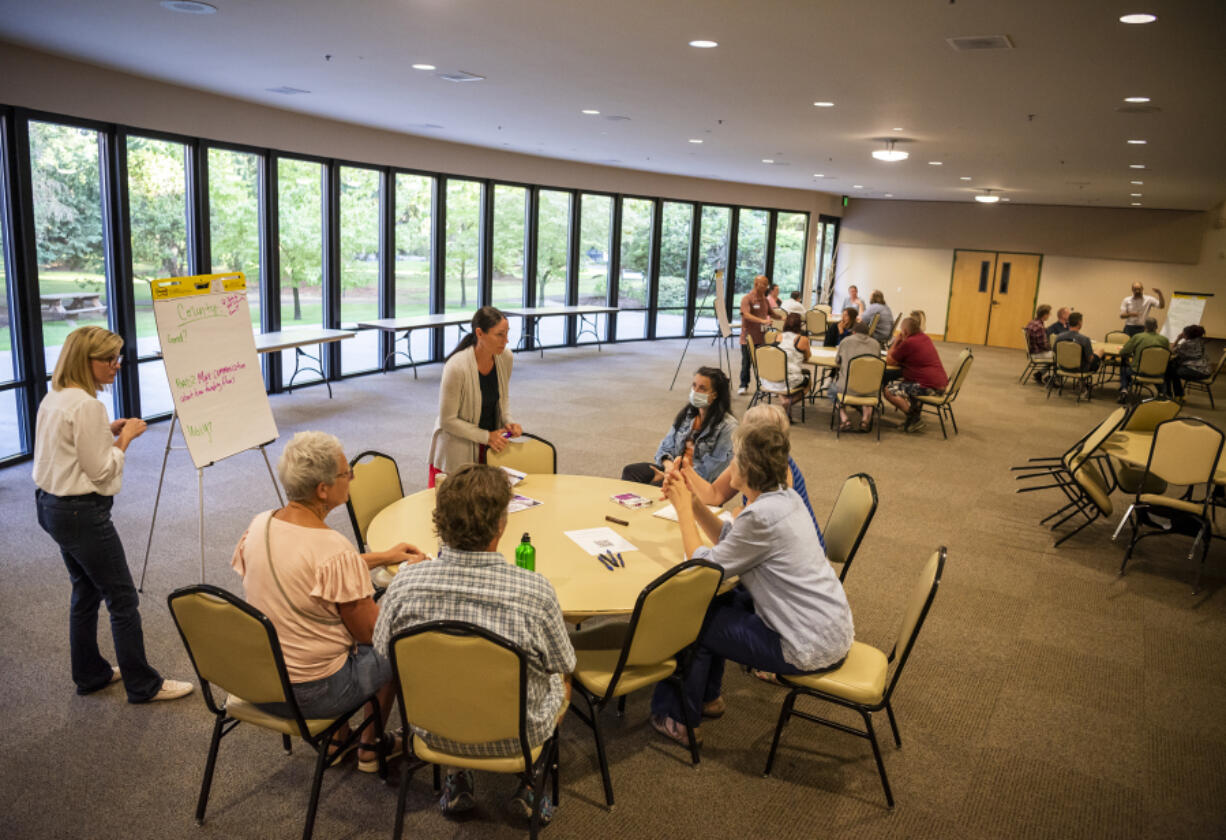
1185	308
208	347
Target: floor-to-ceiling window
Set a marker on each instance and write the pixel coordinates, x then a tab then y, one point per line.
300	246
790	230
11	388
712	258
827	238
632	288
234	219
359	260
461	274
752	226
414	229
510	224
673	294
595	230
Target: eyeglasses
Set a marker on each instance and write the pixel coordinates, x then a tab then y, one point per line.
114	361
347	474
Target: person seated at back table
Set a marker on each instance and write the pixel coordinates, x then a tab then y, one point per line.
772	295
1060	326
922	374
470	581
1188	360
853	300
838	330
885	323
795	347
794	304
719	492
1037	343
788	615
916	315
706	421
1132	350
1089	359
315	589
860	343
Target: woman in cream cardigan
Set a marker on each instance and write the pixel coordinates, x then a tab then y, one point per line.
474	397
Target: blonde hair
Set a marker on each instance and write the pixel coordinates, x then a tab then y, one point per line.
83	345
761	453
767	413
308	460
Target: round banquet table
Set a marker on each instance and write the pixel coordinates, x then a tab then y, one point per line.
585	586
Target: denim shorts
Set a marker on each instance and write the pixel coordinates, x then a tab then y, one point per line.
363	673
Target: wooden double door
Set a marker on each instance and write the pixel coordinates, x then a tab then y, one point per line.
991	297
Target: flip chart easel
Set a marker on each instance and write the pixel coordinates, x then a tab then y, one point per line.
208	348
1185	308
723	335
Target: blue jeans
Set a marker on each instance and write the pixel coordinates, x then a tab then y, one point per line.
733	631
364	673
93	553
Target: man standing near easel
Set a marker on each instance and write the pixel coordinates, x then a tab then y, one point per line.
1135	308
755	315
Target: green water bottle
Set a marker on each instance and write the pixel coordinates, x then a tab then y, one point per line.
525	554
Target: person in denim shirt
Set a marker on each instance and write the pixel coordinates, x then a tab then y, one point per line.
706	421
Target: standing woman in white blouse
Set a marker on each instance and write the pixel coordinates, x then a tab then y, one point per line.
78	467
474	403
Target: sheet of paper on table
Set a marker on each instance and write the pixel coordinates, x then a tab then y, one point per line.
596	540
670	513
515	475
520	439
519	503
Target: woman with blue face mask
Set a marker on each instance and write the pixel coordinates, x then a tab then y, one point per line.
705	421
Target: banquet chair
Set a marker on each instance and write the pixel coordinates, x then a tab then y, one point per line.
1116	337
825	307
850	517
863	681
1185	452
1149	370
1110	367
1143	417
234	647
534	455
943	405
1067	367
468	685
815	323
375	485
615	659
872	325
864	375
772	365
1206	385
1035	362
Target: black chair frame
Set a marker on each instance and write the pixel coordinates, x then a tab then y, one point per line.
677	680
878	410
946	407
223	724
865	710
868	520
546	764
353	520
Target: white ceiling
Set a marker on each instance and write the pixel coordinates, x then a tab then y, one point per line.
1039	122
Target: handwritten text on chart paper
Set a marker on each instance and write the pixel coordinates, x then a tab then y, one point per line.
207	381
189	313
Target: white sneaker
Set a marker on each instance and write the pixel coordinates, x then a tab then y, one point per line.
741	390
172	690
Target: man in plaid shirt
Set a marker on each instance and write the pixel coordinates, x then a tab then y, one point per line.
470	581
1036	338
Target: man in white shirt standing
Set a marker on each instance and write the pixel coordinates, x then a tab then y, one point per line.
1136	307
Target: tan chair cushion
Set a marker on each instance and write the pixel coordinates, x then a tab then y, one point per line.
490	764
240	709
932	400
594	669
1195	508
850	400
1130	478
860	679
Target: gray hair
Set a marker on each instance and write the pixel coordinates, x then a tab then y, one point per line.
1151	324
766	413
307	461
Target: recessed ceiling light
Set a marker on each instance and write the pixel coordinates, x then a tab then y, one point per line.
897	129
1006	199
1136	166
936	163
694	140
590	111
1136	204
1137	142
1140	17
1135	195
424	67
824	104
857	186
889	195
818	175
767	160
965	178
1137	99
704	45
189	7
1138	183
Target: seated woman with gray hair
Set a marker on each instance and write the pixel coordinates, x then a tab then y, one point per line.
315	587
789	614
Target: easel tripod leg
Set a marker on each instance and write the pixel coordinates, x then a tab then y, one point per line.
156	501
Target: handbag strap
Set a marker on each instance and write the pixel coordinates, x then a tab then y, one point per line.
327	620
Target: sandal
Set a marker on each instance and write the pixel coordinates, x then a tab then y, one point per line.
715	708
391	746
845	426
674	731
337	749
765	676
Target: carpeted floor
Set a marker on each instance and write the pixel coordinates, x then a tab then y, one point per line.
1047	697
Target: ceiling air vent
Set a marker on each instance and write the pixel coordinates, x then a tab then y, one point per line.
967	43
286	90
459	76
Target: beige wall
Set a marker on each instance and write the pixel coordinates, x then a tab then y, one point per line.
875	251
45	82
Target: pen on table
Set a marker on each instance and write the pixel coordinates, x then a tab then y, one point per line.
604	562
616	521
620	561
